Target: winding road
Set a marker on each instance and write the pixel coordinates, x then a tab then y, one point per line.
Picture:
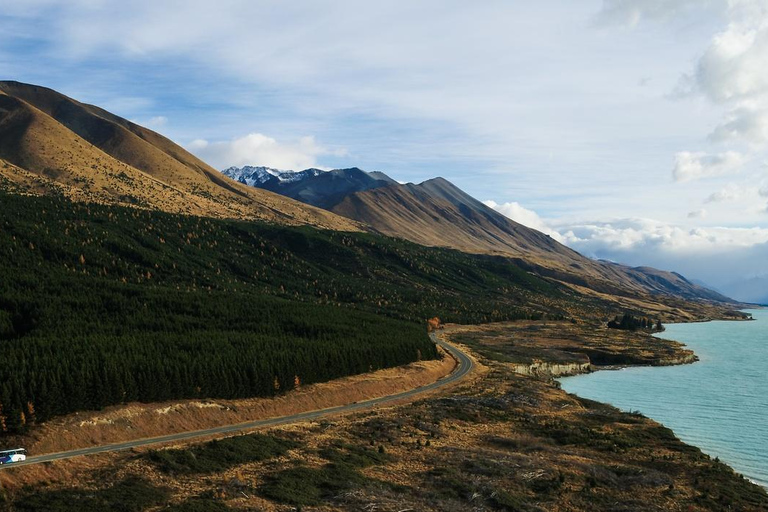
464	366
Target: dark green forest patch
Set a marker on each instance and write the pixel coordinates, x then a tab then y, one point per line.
130	495
102	305
216	456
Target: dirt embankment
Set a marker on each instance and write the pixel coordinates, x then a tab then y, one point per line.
137	420
545	369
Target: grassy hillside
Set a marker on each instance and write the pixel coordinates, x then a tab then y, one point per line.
51	143
103	304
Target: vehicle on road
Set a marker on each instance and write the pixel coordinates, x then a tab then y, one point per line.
11	456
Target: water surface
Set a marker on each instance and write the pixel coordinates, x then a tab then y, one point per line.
719	404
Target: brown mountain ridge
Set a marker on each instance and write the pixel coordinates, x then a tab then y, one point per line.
437	213
52	143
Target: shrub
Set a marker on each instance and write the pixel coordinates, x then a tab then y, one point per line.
355	456
199	505
220	455
310	486
130	495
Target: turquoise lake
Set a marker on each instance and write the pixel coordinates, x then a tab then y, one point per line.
719	404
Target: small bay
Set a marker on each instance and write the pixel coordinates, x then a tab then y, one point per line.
719	404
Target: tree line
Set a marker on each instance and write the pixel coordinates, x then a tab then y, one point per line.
628	322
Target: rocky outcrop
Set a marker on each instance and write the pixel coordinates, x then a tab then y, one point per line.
551	370
682	359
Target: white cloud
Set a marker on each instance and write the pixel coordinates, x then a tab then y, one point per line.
259	149
717	255
158	121
690	166
524	216
747	122
724	257
601	238
598	238
632	12
697	214
733	66
731	72
153	123
742	200
730	192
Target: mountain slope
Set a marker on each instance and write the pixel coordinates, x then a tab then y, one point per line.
438	213
49	142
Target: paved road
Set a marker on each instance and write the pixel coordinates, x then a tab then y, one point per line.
465	366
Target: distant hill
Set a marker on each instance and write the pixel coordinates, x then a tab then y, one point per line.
50	143
753	290
437	213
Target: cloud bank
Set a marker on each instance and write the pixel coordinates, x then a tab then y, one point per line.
732	260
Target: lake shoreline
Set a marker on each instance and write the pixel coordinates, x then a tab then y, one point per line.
697	431
502	441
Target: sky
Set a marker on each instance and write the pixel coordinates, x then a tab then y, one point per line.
631	130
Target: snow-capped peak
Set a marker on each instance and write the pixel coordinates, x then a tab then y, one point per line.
258	175
293	176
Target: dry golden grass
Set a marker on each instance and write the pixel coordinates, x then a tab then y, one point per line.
90	155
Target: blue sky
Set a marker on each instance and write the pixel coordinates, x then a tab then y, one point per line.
632	130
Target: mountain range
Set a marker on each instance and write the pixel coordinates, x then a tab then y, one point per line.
53	144
437	213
